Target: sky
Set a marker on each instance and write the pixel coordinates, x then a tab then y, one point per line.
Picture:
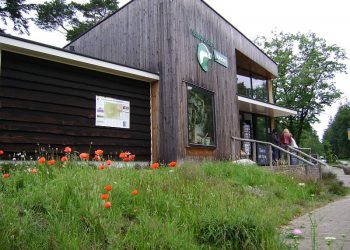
328	19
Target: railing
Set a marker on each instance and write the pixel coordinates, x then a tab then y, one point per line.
299	150
270	151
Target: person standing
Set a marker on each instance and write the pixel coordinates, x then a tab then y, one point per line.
285	141
276	141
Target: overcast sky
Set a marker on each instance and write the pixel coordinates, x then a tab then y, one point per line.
328	19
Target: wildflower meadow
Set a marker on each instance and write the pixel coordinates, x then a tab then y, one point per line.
83	201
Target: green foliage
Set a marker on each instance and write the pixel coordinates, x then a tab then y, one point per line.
310	139
306	67
73	18
215	205
14	11
336	135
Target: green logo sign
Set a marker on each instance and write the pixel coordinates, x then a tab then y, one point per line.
203	56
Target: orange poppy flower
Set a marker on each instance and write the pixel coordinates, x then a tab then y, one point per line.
104	196
108	204
41	160
172	164
51	162
67	150
135	192
2	152
101	167
34	171
97	158
84	156
5	176
64	158
99	152
155	165
122	155
108	162
108	188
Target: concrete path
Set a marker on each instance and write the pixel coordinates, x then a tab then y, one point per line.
332	220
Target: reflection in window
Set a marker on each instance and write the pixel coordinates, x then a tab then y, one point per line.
200	108
253	87
259	88
243	85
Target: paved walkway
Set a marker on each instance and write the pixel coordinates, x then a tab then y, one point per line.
332	220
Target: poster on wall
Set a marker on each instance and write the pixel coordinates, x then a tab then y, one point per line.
112	112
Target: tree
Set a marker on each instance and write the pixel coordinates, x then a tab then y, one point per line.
14	11
307	66
73	19
337	132
310	139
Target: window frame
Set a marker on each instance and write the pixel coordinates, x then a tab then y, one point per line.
247	73
212	94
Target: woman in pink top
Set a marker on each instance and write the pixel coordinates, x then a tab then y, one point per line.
285	140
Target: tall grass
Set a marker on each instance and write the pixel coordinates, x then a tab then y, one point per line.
206	206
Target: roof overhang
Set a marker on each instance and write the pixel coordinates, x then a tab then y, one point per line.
43	51
263	108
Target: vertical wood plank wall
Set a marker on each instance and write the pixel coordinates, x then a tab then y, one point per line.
52	103
155	35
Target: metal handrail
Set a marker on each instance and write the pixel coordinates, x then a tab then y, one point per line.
275	146
306	155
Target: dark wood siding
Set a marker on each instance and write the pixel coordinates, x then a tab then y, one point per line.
52	103
155	35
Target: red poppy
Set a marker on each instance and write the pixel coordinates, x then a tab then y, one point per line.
108	204
108	162
126	159
67	150
97	158
135	192
99	152
41	160
155	165
84	156
2	152
64	158
101	167
104	196
5	176
34	171
122	155
172	164
108	188
51	162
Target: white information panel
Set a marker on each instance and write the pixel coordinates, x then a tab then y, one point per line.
112	112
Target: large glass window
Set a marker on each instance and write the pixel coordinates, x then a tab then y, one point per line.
243	85
251	86
259	85
200	108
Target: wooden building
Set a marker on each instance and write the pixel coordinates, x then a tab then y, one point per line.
48	96
166	37
208	83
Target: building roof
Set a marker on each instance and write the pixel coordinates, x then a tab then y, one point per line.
43	51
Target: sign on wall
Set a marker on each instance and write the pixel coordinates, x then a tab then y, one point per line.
112	112
204	55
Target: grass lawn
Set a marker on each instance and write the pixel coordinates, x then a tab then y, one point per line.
199	206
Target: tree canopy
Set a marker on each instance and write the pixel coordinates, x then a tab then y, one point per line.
307	66
73	18
337	132
14	11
